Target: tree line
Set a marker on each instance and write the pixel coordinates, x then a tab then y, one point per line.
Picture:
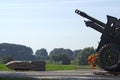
57	55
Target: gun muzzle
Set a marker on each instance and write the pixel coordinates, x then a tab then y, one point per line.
90	18
81	13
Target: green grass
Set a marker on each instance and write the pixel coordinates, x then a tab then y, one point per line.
52	67
4	68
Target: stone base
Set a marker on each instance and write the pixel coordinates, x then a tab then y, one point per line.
106	73
40	65
27	65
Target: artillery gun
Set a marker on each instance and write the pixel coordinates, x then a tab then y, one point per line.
109	46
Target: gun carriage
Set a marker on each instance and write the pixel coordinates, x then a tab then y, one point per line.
109	46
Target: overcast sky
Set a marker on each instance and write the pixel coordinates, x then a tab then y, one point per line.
52	24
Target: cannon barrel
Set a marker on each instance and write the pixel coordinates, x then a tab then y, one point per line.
90	18
94	26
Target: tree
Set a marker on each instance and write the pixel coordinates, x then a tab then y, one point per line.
54	58
61	55
6	58
42	54
18	52
75	53
65	59
83	55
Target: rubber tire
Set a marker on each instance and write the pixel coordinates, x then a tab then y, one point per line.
109	48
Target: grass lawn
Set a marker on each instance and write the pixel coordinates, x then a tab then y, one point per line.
52	67
4	68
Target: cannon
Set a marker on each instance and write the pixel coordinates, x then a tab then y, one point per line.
109	45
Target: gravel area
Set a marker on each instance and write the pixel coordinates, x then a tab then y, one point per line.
58	75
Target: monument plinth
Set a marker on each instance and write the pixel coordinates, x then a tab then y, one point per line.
27	65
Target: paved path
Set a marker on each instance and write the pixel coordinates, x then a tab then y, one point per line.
63	75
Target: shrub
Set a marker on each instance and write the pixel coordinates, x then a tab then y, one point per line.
6	58
93	60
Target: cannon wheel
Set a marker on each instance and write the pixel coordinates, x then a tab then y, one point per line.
109	58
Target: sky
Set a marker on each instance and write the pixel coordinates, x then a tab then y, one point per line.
53	24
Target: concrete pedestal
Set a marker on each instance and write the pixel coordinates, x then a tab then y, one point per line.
105	73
